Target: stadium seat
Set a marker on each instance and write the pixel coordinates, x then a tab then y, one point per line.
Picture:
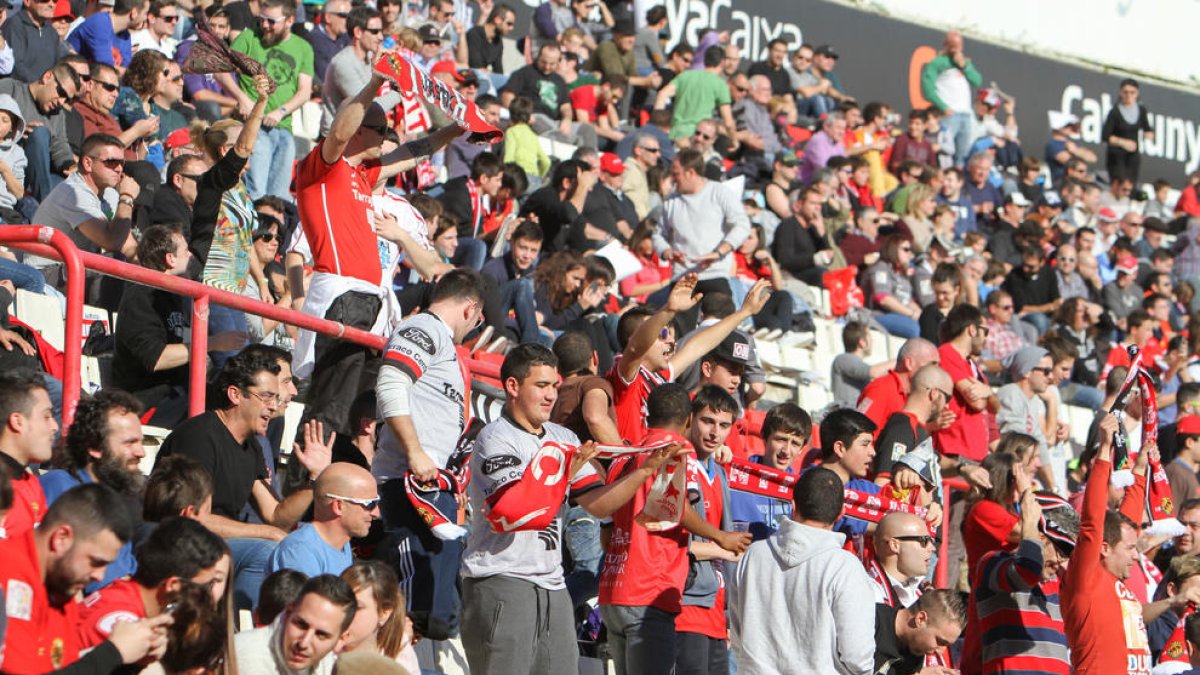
879	347
44	314
557	149
1081	421
152	438
291	424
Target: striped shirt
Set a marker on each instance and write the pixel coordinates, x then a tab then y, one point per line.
1019	614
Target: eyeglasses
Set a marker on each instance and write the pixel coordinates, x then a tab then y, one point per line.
269	21
269	398
169	19
923	539
368	504
108	86
114	163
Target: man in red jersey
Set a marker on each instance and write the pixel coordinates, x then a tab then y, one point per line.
641	588
334	184
45	567
179	550
26	437
649	358
884	396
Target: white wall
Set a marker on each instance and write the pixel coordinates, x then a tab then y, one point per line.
1156	37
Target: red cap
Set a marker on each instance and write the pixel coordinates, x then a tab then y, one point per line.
1127	264
62	9
177	139
448	67
610	163
1107	215
1188	425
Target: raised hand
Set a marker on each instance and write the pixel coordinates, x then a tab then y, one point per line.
316	453
683	297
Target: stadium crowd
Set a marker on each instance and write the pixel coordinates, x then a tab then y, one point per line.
644	221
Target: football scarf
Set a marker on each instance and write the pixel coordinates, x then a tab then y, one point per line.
1175	657
211	55
407	77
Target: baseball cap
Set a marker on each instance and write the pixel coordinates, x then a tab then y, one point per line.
610	163
826	50
449	67
467	77
788	158
1050	198
990	98
735	348
1017	198
1188	425
429	33
1061	120
62	10
1127	265
177	139
1107	215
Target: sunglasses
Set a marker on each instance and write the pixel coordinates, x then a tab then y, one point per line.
114	163
922	539
368	504
1042	369
654	150
380	129
1066	260
703	137
1004	307
62	93
268	237
742	90
190	176
375	31
108	86
169	19
341	14
984	329
271	22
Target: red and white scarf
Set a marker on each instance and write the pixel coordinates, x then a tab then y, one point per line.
407	77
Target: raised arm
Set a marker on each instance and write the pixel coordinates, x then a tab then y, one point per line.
681	299
407	155
348	120
706	340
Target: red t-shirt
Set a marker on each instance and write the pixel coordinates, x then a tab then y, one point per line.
1105	630
986	529
119	601
40	637
28	506
882	397
643	568
629	398
334	201
709	621
968	436
584	98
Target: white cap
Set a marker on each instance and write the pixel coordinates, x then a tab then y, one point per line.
1059	119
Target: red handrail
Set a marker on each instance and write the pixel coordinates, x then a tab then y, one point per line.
941	573
49	242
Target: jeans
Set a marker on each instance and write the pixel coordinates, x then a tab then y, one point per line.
582	539
642	640
209	111
959	126
815	106
1082	395
898	324
249	567
22	276
518	295
1037	320
223	319
470	253
40	176
270	165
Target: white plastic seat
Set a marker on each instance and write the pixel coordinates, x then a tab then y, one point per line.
43	314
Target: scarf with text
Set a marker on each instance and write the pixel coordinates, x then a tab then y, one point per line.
407	77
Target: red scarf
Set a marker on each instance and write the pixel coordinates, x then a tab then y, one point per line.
1158	492
1177	649
408	77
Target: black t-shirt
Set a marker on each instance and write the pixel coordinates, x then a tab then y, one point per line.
547	92
151	319
484	53
553	214
240	16
890	656
899	436
781	82
1040	289
233	466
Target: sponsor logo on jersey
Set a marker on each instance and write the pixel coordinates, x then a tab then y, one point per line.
493	464
18	602
419	338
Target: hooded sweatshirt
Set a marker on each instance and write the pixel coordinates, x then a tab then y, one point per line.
799	603
61	155
10	151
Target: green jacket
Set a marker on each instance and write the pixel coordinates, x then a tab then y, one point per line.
934	69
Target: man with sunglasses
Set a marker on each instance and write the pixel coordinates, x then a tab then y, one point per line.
903	552
329	37
160	29
96	105
42	103
345	503
350	69
173	202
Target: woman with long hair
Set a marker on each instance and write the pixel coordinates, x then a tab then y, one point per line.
380	624
198	640
918	217
891	291
223	216
560	292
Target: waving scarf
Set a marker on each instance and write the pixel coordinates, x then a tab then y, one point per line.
212	55
407	77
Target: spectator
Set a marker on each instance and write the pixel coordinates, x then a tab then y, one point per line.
29	32
648	49
906	636
786	429
891	288
557	205
43	636
1125	120
801	245
485	42
608	213
12	164
946	81
42	105
594	19
815	94
553	114
96	104
849	373
757	133
174	200
345	504
886	394
351	66
178	486
1181	472
913	146
697	95
826	143
159	30
963	334
946	284
803	565
860	244
179	551
1064	148
616	57
328	38
907	428
903	550
773	68
269	165
104	37
1122	296
381	620
585	401
521	144
647	151
1035	293
1024	403
304	637
548	22
510	283
28	442
211	101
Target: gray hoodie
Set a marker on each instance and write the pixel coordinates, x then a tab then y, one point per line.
799	603
61	156
10	150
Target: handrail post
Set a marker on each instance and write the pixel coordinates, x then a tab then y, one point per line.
197	384
941	574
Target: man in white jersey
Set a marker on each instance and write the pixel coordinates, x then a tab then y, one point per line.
422	392
512	569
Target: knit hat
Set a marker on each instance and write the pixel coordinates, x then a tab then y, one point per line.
1059	522
1025	359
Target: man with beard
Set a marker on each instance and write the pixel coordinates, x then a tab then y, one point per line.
46	567
104	445
288	60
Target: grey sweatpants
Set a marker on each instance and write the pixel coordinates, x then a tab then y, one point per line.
514	627
642	640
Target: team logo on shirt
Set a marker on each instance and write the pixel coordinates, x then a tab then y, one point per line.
56	653
18	600
493	464
109	621
549	536
419	338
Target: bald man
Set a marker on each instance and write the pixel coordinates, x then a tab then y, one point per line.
885	395
345	501
930	390
903	551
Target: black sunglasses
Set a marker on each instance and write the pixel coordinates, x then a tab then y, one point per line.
270	21
190	176
374	31
62	93
380	129
923	539
268	237
341	14
108	86
114	163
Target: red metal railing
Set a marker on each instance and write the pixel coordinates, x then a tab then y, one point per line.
51	243
941	575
